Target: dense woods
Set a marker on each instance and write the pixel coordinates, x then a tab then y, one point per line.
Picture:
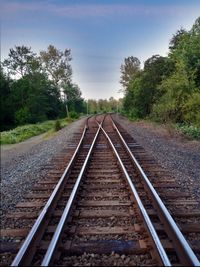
167	89
35	87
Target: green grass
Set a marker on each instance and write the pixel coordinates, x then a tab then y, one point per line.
189	130
22	133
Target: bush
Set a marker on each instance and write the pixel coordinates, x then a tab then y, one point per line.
22	133
73	115
165	110
57	125
189	130
175	90
192	110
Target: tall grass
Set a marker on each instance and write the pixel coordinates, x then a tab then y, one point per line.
189	130
22	133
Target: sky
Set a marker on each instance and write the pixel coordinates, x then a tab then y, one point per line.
100	33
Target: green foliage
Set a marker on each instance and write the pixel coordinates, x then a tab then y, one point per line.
56	64
129	69
22	133
36	95
22	116
177	38
142	91
192	109
176	90
73	115
57	125
73	98
21	60
168	88
190	131
104	105
6	105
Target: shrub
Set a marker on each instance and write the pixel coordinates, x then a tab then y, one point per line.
22	133
190	130
192	110
176	90
57	125
73	115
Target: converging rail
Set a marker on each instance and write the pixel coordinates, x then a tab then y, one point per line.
24	255
103	203
183	249
52	247
159	248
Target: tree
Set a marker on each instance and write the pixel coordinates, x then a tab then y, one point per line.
92	106
196	27
176	39
175	92
73	98
142	91
34	94
56	64
156	69
168	88
43	100
21	61
187	53
191	109
104	105
180	91
6	107
35	99
129	69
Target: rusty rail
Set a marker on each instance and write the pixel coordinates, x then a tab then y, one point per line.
30	241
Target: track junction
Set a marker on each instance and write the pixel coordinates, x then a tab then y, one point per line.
111	198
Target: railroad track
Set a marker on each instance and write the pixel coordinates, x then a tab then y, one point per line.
104	203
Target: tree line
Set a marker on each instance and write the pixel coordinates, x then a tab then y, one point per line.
167	89
103	105
35	87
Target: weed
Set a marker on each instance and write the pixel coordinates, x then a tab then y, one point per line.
189	130
22	133
57	126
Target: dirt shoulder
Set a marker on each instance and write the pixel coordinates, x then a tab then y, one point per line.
168	133
8	151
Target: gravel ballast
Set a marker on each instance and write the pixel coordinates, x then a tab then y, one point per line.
175	153
21	165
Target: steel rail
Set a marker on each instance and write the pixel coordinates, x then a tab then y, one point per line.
183	249
160	250
48	258
28	243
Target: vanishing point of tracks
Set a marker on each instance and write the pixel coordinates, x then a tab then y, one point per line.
105	203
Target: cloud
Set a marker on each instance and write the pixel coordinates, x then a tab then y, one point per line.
94	10
78	11
17	7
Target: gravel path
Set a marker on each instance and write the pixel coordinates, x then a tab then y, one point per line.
172	151
21	163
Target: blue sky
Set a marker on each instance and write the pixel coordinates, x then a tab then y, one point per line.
99	33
